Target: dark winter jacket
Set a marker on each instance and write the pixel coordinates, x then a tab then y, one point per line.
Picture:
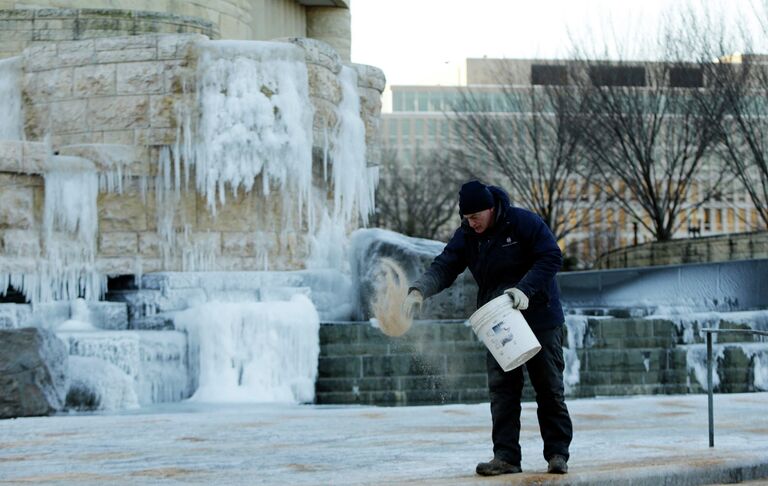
519	251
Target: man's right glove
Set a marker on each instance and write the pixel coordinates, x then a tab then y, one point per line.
412	303
519	299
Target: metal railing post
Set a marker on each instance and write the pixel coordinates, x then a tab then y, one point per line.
709	391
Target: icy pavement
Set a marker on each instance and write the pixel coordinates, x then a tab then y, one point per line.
636	440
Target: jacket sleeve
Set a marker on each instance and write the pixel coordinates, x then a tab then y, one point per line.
444	268
547	257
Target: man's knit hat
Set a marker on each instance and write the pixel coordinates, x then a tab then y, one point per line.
474	197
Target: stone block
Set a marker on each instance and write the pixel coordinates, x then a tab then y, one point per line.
391	365
171	280
324	120
464	363
178	45
68	116
20	243
149	244
154	136
317	52
14	316
140	78
152	323
74	53
8	12
49	85
11	156
162	111
109	315
95	80
122	212
117	265
370	102
178	78
126	42
370	77
323	84
354	349
108	157
17	208
33	373
180	299
118	244
118	112
734	357
339	333
118	137
40	57
126	55
340	367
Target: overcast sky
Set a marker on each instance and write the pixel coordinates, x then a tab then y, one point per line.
427	41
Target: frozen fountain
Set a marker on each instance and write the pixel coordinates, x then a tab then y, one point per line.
203	187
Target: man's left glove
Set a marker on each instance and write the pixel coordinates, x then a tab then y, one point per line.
412	303
519	299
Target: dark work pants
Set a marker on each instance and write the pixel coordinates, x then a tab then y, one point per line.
545	371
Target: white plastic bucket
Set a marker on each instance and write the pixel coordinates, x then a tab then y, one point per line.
505	332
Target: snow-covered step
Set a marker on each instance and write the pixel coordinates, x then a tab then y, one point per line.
51	315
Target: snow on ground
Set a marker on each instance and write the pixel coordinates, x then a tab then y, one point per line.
616	440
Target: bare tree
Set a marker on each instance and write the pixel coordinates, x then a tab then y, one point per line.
745	127
746	133
416	199
525	140
651	129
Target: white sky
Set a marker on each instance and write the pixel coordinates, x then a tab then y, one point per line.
427	41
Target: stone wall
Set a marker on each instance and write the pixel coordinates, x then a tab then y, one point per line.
110	106
720	248
21	28
52	20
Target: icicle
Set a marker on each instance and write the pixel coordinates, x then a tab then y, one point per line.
255	119
351	179
577	329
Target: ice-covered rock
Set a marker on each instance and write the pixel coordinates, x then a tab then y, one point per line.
33	372
368	246
156	361
95	384
13	316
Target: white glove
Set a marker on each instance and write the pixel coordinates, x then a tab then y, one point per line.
412	303
519	299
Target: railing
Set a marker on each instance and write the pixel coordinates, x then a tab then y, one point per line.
709	332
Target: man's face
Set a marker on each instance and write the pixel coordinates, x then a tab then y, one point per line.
480	221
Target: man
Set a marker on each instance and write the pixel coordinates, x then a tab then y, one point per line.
510	251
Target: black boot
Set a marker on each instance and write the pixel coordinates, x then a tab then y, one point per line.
557	465
496	467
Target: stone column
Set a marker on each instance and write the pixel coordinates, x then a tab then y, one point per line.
331	25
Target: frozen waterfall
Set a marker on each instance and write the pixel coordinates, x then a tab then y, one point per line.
253	351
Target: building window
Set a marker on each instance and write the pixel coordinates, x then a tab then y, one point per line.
617	75
549	75
686	77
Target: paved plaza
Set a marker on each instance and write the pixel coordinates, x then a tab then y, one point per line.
635	440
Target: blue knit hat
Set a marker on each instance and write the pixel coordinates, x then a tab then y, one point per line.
474	197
